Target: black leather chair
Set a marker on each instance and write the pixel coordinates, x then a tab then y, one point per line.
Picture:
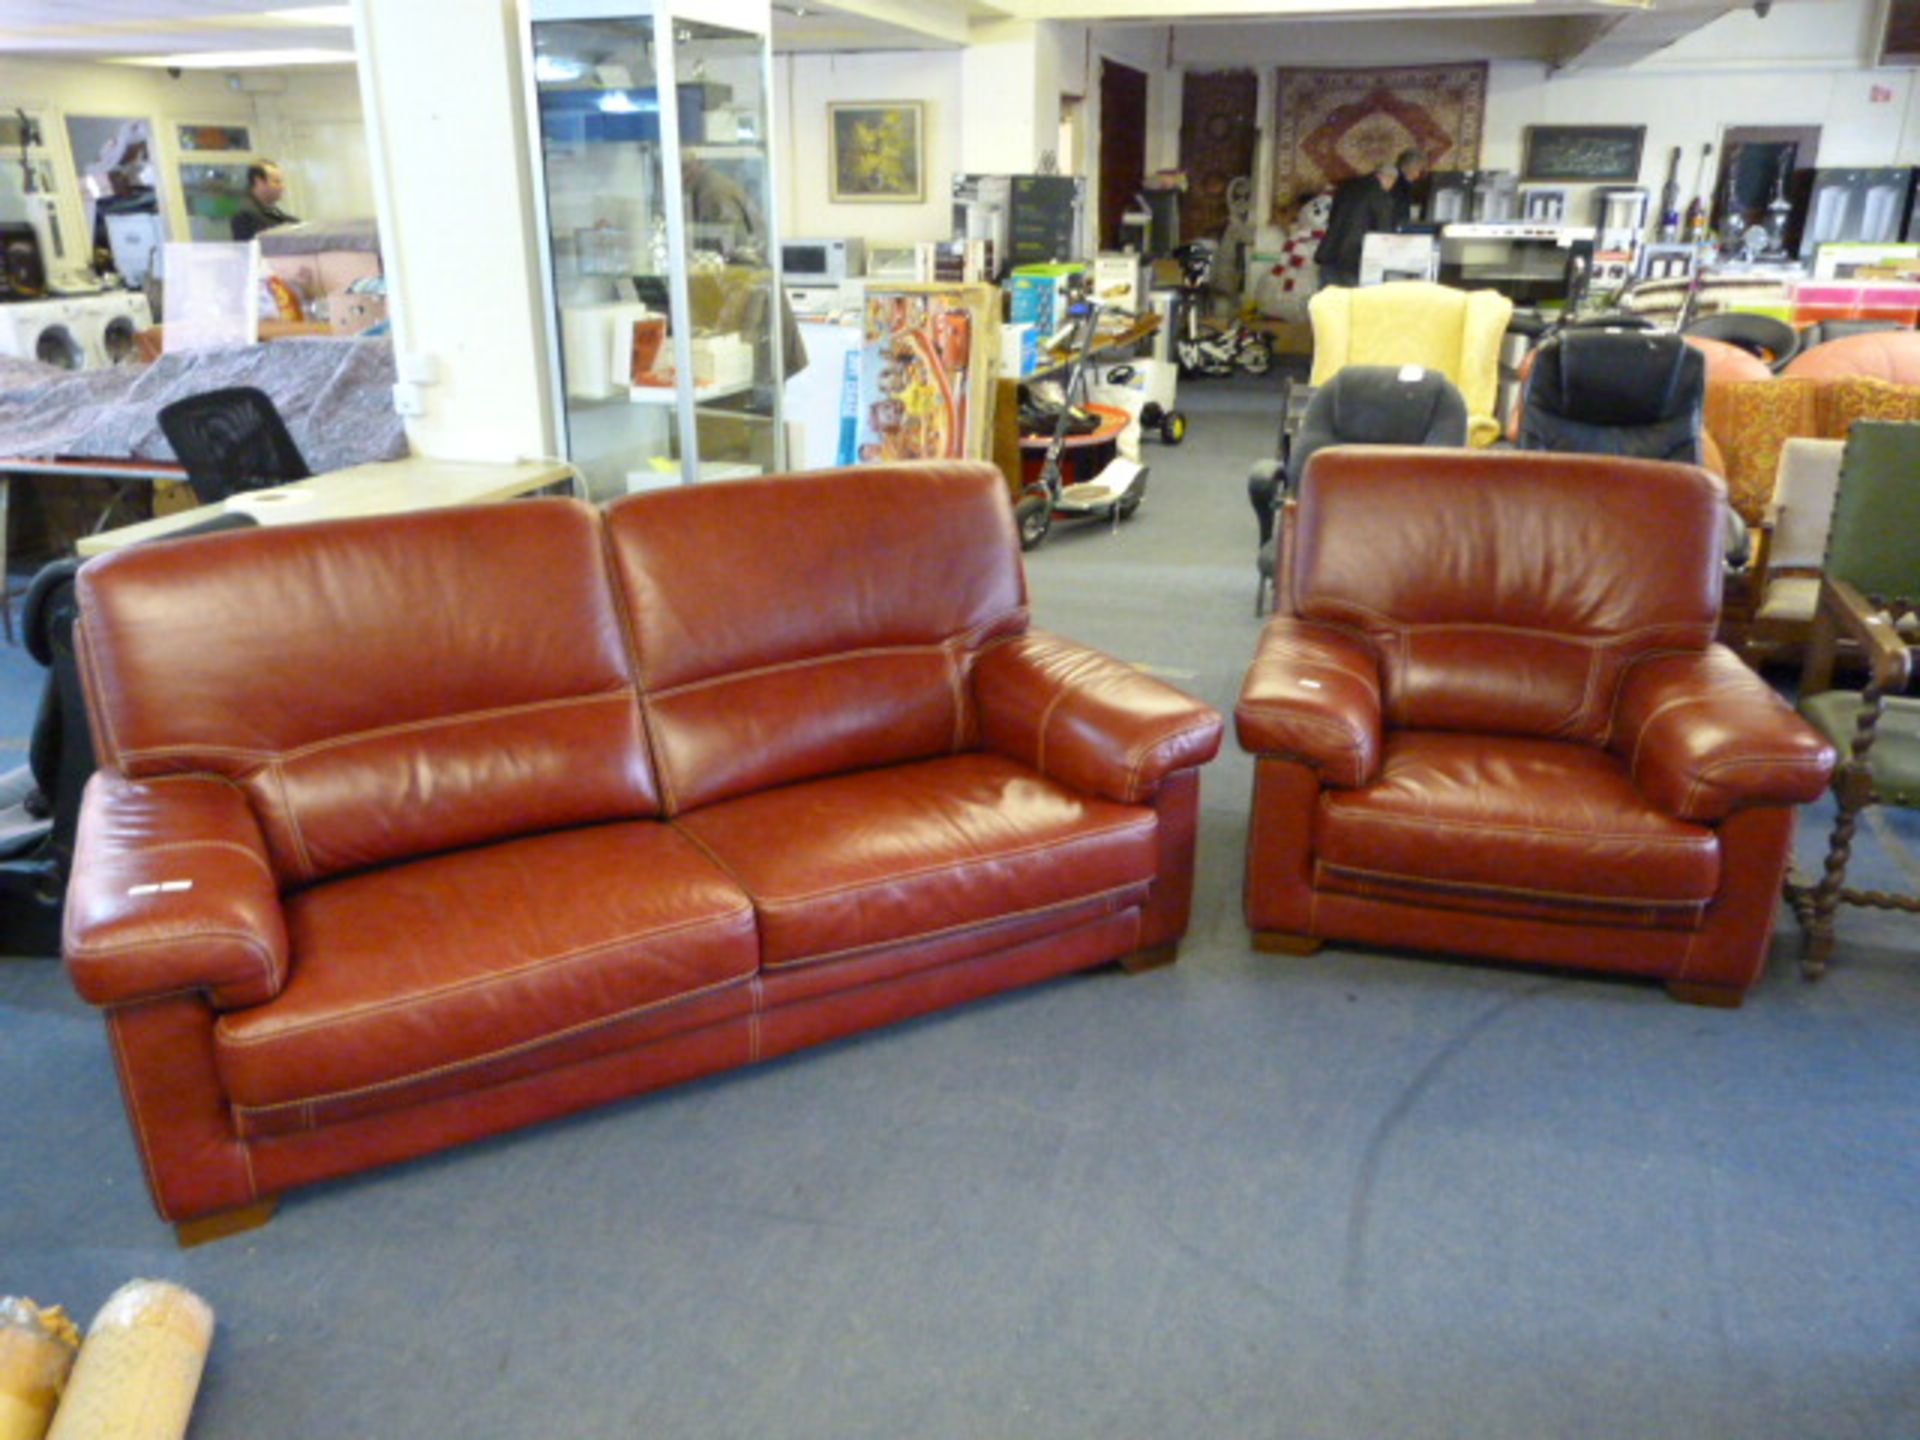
231	441
1634	393
1360	405
1616	392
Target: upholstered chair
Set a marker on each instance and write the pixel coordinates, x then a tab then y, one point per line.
1488	719
1415	322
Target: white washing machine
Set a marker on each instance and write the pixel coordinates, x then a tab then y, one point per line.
49	331
106	324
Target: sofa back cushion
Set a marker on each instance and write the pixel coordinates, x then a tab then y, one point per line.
380	688
1508	592
806	625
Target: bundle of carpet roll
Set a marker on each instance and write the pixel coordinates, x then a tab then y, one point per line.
134	1377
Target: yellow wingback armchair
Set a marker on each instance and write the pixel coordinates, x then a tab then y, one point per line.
1415	322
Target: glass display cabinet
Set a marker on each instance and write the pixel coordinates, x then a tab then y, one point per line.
658	237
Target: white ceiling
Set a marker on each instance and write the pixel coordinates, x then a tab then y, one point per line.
119	28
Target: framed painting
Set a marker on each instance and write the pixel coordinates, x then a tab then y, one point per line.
1583	152
876	151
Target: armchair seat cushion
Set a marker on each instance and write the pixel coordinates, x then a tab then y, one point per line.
915	851
1521	824
1895	756
468	967
1790	598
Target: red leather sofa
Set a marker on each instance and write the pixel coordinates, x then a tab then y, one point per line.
1490	720
414	829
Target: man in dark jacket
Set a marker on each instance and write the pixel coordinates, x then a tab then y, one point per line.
261	209
1361	204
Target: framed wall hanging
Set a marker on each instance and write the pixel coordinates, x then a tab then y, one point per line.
878	151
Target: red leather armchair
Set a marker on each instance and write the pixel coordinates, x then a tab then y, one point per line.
417	829
1490	721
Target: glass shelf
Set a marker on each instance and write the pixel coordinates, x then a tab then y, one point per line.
655	239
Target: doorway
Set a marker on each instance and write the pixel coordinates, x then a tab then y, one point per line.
1123	146
1219	133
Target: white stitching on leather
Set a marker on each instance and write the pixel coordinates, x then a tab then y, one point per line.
476	982
469	1062
674	692
308	870
803	962
131	1093
1151	748
88	954
896	875
1440	822
245	851
1469	887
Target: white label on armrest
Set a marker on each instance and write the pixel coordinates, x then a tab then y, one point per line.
1311	685
160	887
1412	374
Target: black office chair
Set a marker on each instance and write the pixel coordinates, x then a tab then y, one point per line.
231	441
1634	393
1771	339
1360	405
40	802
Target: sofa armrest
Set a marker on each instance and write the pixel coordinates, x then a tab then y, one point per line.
172	891
1704	736
1313	695
1082	717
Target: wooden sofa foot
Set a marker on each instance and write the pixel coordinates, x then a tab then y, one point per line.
1153	957
209	1228
1720	997
1278	942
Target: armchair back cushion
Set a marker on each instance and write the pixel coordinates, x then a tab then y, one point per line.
734	665
489	692
1499	598
1415	322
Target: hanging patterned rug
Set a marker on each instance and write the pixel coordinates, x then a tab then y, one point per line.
1335	123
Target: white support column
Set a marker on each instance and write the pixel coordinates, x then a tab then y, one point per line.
446	131
1001	101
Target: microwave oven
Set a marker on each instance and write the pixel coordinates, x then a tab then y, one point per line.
822	262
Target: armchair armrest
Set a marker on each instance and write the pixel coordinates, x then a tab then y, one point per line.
1872	629
1313	695
1704	736
172	891
1087	719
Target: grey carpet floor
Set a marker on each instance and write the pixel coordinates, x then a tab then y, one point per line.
1351	1196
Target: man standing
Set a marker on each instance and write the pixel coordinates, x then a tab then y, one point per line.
261	209
1407	199
1361	204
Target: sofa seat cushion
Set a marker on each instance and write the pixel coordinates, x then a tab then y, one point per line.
840	865
448	969
1538	823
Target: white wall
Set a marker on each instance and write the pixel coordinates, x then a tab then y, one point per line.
1805	64
803	84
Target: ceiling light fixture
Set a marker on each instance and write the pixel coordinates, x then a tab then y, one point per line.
328	15
238	59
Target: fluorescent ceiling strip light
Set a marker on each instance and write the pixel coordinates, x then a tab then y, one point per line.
238	59
333	15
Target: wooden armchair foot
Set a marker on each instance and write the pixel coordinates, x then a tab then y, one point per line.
1720	997
209	1228
1278	942
1154	957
